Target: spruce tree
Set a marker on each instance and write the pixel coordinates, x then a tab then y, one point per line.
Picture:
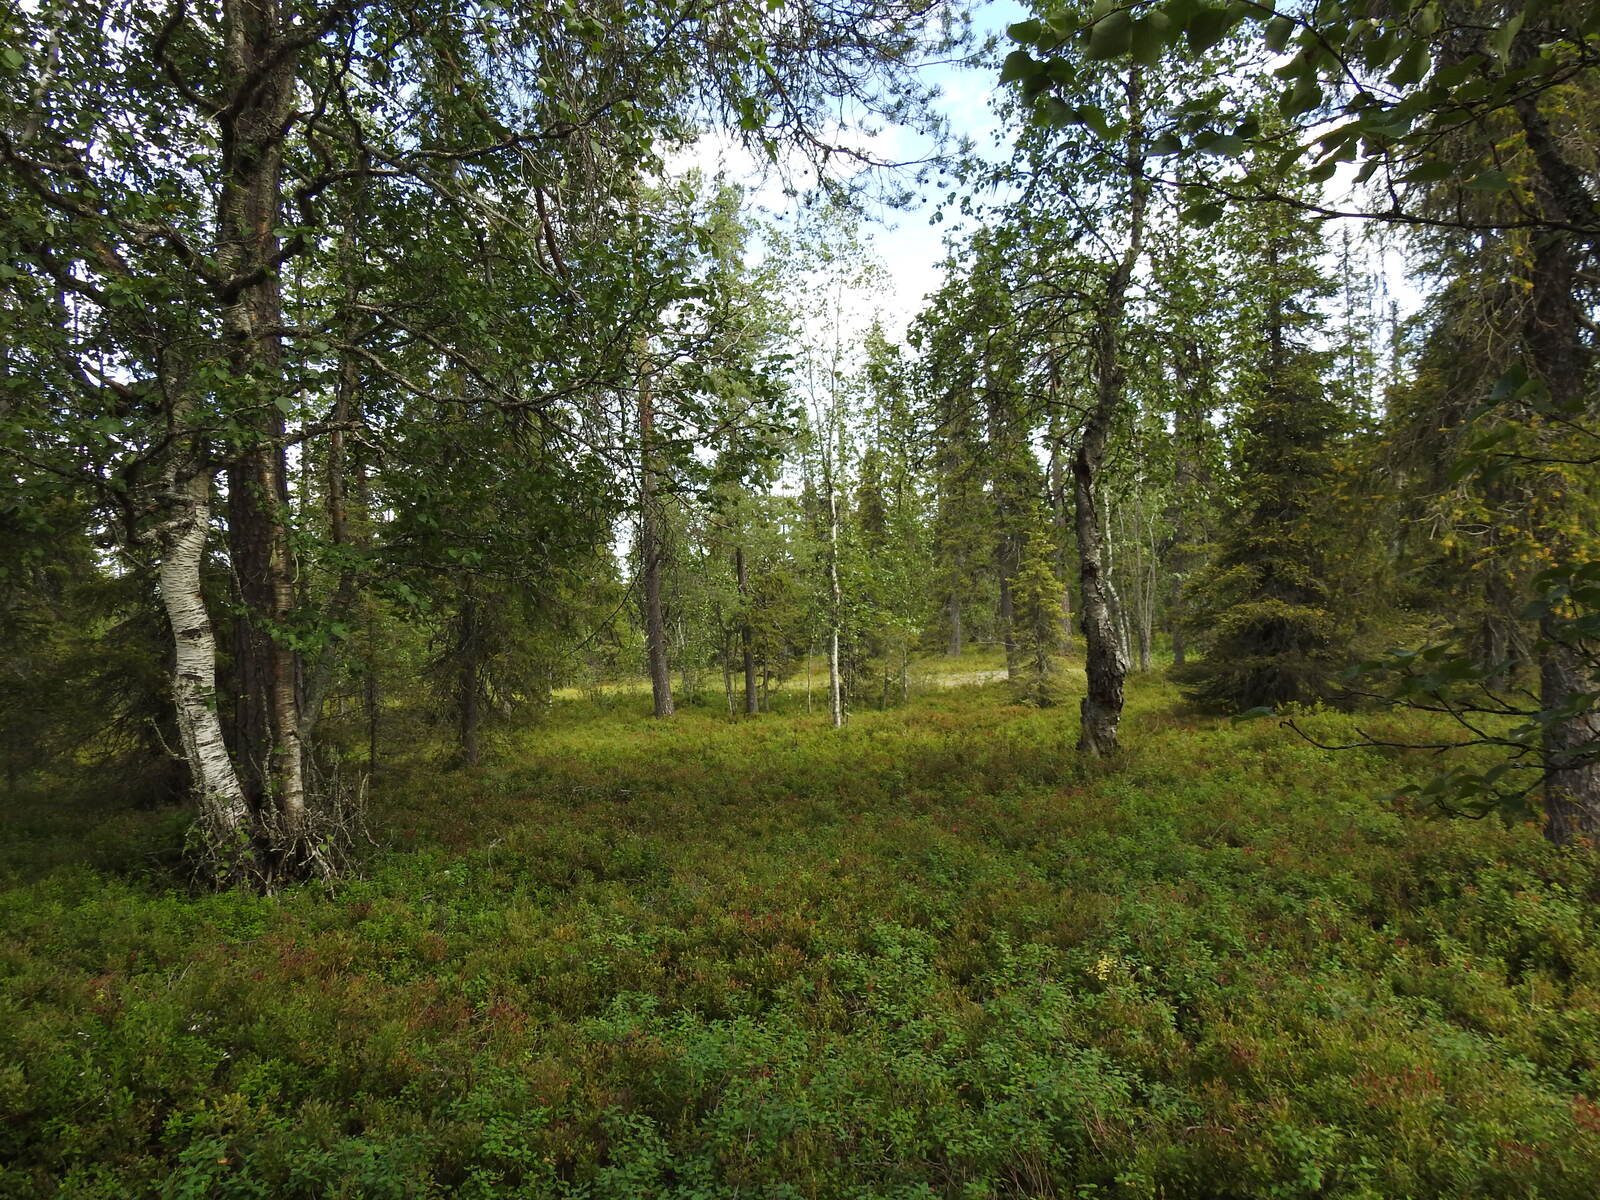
1262	611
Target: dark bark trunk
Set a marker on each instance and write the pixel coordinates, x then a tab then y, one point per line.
369	698
957	637
467	682
1556	352
267	723
1008	635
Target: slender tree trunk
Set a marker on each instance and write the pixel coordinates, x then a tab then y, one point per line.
369	696
1060	510
1104	659
346	410
650	556
468	699
957	639
835	607
225	818
746	635
1179	646
1147	609
1008	635
811	648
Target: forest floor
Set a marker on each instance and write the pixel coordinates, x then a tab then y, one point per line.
932	954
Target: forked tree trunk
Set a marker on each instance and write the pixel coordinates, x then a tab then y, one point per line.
225	818
1105	660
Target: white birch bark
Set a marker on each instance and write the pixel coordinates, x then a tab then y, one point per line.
224	813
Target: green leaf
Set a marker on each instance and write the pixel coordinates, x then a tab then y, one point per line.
1203	215
1207	27
13	57
1148	39
1305	96
1111	35
1094	117
1430	172
1019	64
1500	40
1277	34
1226	144
1025	31
1414	64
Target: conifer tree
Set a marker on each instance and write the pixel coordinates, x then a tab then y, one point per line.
1262	611
1036	593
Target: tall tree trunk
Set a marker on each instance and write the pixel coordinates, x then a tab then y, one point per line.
369	699
957	640
1179	645
1105	661
835	607
1556	351
650	556
249	213
746	635
468	688
1060	510
1007	614
341	465
225	818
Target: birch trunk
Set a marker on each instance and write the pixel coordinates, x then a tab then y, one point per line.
224	812
1105	660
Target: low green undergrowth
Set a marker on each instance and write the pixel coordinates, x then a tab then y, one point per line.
931	955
